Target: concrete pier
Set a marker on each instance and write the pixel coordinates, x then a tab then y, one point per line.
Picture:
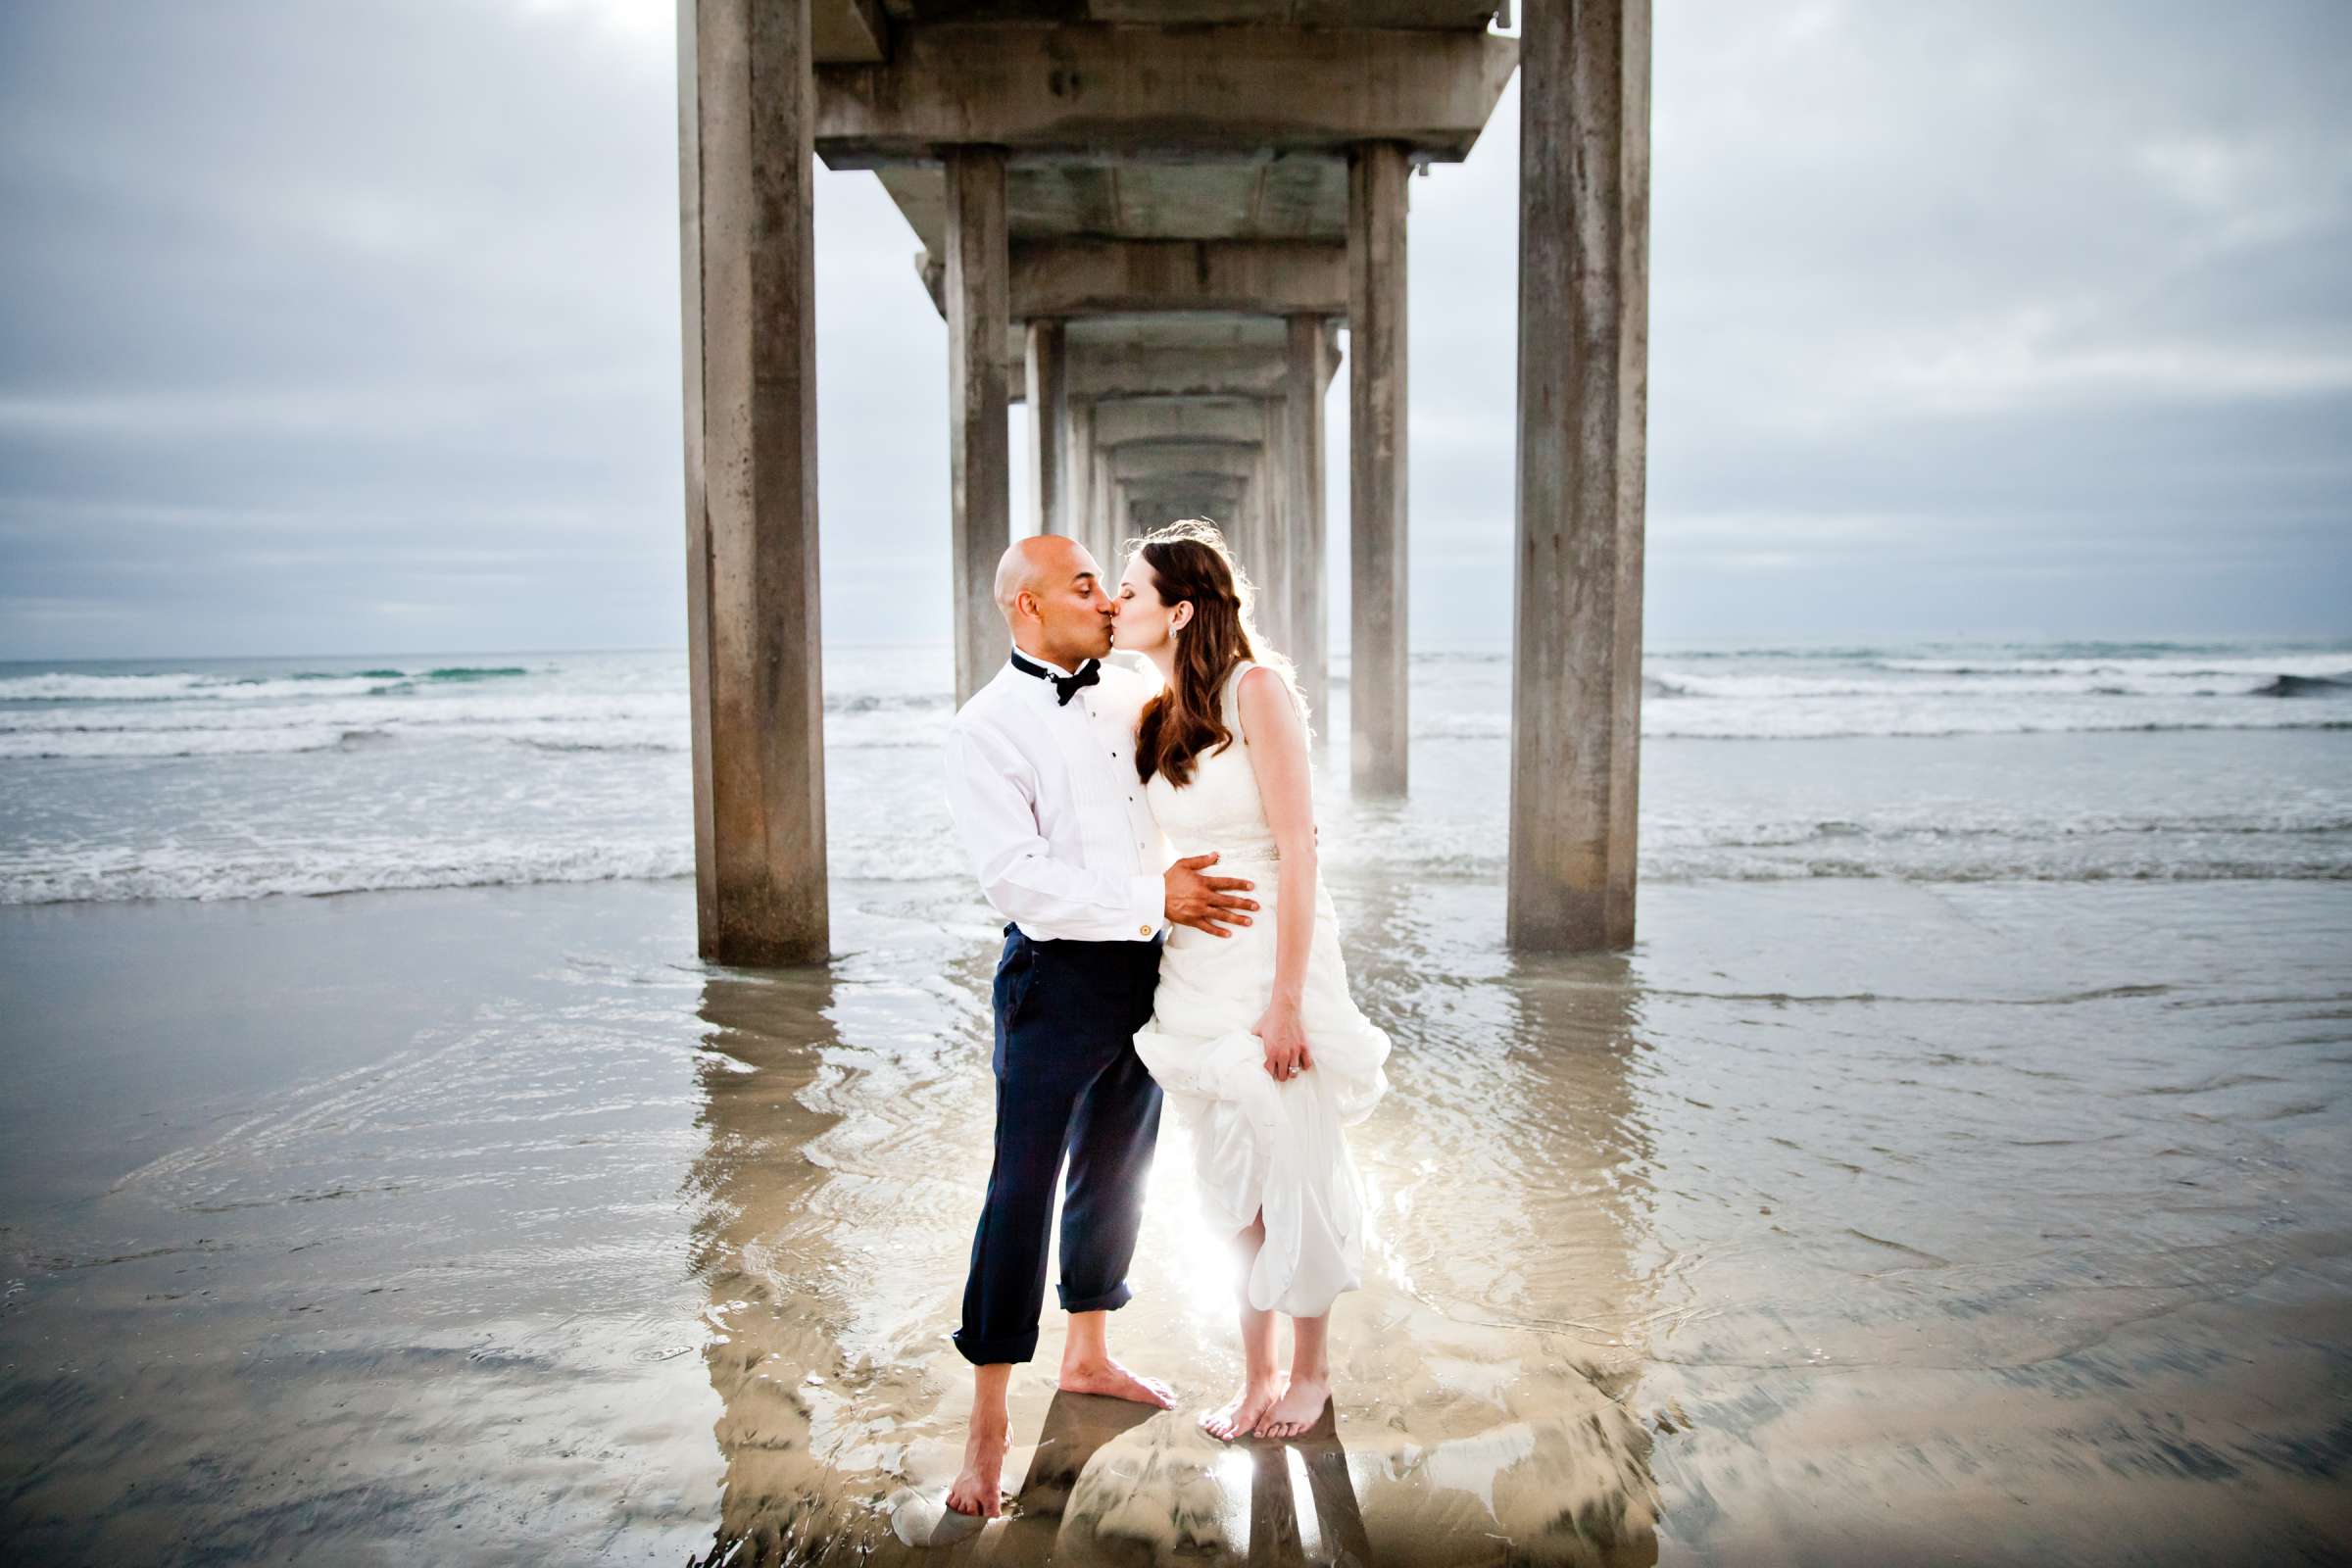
1380	720
1270	522
1049	427
1150	222
1105	525
755	675
1307	372
1583	354
979	443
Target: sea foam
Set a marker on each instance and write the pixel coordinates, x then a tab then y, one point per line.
296	778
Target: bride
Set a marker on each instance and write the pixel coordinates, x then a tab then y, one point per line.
1254	1038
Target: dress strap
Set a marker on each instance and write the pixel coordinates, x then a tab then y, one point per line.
1233	697
1230	700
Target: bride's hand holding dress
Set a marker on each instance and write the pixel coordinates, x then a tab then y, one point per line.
1285	1035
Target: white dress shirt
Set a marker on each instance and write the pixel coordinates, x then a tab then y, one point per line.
1049	811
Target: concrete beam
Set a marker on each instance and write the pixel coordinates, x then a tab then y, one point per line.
1062	278
755	681
1246	372
1091	89
1380	726
979	455
1146	514
1230	460
1225	490
1214	496
1583	367
1107	278
1121	420
1108	366
1203	480
1270	195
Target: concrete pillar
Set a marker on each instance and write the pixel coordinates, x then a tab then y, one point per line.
1380	725
1273	559
1304	376
1048	426
1105	523
979	452
1110	511
1077	475
1584	334
755	681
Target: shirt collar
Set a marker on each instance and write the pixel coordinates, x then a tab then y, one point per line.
1044	664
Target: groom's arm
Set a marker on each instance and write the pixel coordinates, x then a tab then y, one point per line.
991	796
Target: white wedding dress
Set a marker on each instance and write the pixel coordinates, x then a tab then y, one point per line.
1260	1144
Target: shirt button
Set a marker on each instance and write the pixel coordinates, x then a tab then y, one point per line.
1143	930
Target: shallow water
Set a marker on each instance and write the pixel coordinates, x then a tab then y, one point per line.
1842	1221
1956	1170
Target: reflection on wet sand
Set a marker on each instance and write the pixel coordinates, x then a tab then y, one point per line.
1485	1372
1494	1387
1877	1223
1793	1237
768	1337
1274	1503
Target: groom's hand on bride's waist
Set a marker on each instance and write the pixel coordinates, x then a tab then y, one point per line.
1206	903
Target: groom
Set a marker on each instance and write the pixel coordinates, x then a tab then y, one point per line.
1042	784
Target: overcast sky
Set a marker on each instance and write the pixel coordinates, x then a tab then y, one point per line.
353	327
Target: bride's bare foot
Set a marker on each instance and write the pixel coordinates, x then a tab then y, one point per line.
1103	1375
980	1488
1297	1410
1241	1414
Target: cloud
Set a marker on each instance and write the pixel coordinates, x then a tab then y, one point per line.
329	328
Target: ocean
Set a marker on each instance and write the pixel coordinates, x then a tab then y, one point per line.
244	778
1958	1168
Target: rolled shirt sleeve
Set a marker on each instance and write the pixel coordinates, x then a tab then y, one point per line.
992	794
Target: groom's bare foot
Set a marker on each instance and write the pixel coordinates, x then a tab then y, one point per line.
1102	1375
1240	1416
980	1488
1297	1410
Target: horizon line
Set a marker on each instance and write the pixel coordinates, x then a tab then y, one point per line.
1442	644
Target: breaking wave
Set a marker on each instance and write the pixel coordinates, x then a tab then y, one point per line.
206	686
254	778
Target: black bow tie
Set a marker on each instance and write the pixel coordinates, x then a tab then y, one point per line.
1065	687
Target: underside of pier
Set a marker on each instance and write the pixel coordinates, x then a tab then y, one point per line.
1150	219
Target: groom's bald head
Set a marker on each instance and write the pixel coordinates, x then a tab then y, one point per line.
1051	592
1037	567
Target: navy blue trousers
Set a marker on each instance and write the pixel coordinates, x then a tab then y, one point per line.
1069	1086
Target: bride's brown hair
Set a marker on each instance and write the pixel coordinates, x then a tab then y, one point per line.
1190	561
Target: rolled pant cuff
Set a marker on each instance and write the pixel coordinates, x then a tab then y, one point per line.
1109	1301
992	1352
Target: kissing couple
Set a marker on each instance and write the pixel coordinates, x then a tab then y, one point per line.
1094	801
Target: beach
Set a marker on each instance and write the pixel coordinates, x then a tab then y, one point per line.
1956	1170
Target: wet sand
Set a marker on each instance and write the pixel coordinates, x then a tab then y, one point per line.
1844	1221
